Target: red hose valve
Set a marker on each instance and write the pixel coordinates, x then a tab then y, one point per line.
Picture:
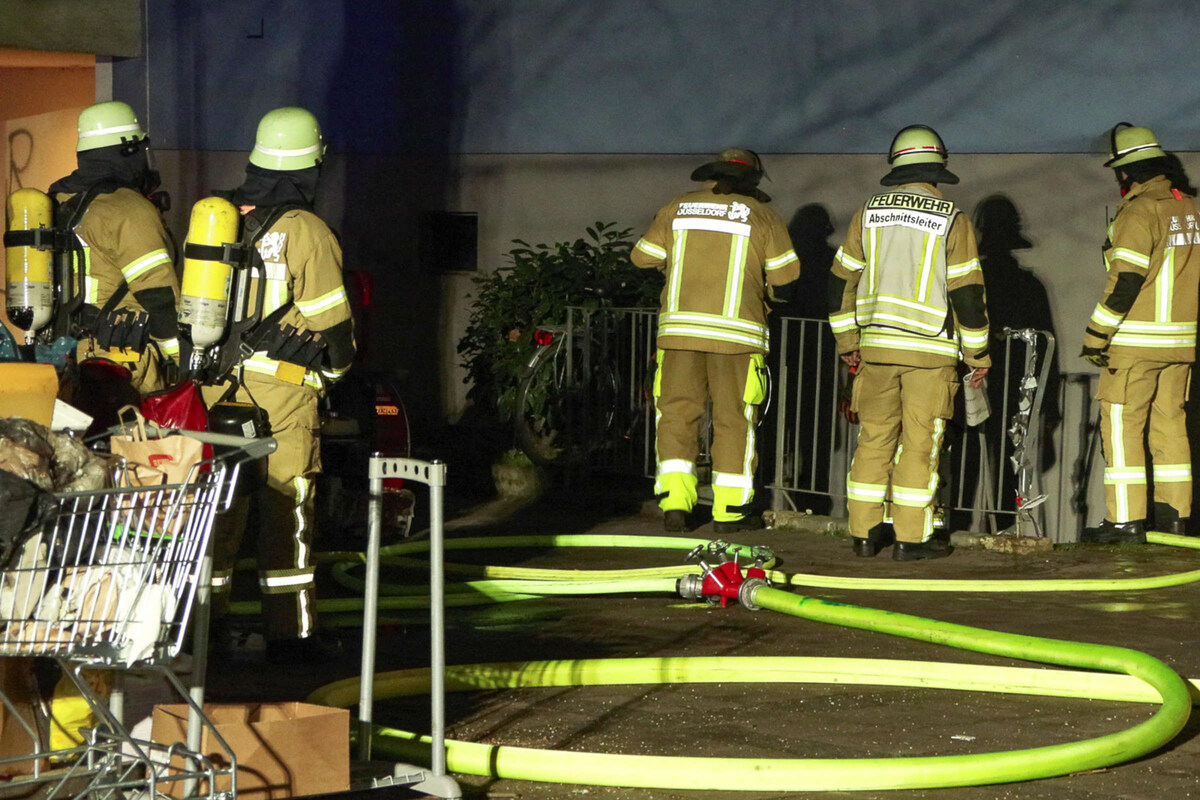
722	582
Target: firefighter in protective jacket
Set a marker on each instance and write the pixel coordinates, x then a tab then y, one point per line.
129	287
1142	335
906	303
304	343
722	248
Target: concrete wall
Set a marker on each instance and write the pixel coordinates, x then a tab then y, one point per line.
106	27
1064	202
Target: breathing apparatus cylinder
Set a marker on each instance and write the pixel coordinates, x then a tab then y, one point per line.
29	283
204	294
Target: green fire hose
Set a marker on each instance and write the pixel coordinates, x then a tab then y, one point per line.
1138	677
1114	674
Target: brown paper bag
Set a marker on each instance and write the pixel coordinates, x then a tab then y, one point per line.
167	460
283	749
172	457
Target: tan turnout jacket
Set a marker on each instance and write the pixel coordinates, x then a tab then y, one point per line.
719	251
908	264
1148	309
303	261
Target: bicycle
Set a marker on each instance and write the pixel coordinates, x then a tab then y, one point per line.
566	405
587	386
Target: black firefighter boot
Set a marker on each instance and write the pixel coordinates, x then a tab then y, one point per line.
917	551
1167	520
1109	532
879	537
675	521
749	522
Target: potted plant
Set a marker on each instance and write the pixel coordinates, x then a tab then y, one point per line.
534	288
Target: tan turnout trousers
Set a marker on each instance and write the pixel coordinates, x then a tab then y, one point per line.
685	380
285	511
1143	404
902	413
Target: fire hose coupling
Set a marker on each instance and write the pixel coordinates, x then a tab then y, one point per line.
747	590
721	583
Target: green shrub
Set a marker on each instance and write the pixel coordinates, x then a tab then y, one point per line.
535	288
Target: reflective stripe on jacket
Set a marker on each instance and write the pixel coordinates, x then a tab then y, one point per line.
1149	306
912	287
718	251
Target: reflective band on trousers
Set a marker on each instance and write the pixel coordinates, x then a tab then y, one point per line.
913	498
276	582
733	481
866	492
676	465
1172	473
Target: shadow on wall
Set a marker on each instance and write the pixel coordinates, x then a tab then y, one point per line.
810	229
396	95
1015	299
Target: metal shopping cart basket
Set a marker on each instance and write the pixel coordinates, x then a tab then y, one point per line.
109	583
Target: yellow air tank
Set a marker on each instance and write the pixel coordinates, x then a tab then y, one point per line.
204	295
30	299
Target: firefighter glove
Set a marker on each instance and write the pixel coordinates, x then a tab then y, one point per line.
1095	356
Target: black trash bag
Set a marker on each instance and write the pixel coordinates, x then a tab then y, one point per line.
24	511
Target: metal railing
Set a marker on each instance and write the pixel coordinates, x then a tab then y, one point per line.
622	340
990	474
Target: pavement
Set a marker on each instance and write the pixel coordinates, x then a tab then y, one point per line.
764	720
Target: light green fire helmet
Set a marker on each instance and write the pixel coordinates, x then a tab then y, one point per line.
917	144
288	139
1129	143
107	124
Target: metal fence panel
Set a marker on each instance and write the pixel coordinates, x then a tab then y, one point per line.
991	474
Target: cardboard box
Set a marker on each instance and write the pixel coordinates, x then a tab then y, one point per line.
28	390
16	744
282	749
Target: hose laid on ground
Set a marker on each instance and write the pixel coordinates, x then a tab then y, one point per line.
562	578
506	584
502	761
1140	678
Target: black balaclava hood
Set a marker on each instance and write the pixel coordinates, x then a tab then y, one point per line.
269	187
118	163
929	172
1169	166
745	186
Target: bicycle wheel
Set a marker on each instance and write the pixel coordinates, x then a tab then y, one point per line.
566	406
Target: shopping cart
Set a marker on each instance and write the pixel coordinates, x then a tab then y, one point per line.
109	583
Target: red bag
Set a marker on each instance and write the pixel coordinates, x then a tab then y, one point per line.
178	407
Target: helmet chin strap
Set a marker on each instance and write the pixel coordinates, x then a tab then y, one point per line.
1124	181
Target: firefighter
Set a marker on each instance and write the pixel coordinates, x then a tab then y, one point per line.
906	304
111	205
722	249
302	344
1142	335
